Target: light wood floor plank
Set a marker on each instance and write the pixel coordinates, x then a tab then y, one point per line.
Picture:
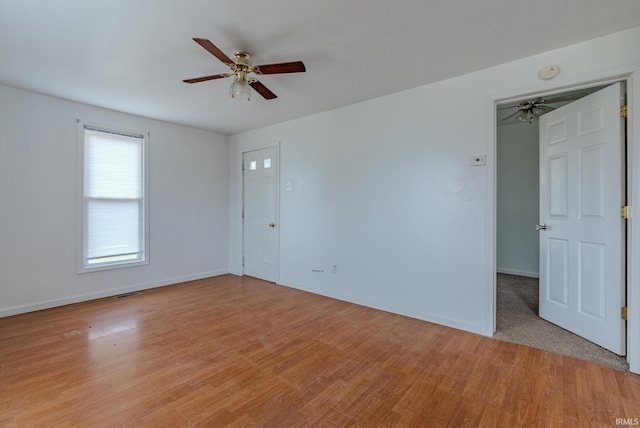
236	351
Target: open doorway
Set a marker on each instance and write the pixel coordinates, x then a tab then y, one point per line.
517	241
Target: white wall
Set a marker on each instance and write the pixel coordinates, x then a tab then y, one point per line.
189	191
518	199
384	189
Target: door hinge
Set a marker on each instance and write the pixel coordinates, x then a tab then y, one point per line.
623	111
623	313
243	262
624	211
243	167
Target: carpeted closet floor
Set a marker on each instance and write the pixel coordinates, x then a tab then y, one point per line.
517	321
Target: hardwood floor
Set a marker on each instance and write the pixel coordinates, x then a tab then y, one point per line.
231	351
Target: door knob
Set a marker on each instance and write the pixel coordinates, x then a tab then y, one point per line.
272	225
541	227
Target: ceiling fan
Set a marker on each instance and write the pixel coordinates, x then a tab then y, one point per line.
531	110
241	66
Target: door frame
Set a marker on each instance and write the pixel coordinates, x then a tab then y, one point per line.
627	75
277	231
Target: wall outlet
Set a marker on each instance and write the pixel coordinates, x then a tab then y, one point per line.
334	269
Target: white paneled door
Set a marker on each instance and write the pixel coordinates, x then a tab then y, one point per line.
582	254
260	245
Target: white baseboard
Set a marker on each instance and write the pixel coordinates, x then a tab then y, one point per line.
518	272
386	307
31	307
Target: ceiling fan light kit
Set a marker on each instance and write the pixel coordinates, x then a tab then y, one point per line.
241	66
528	116
240	89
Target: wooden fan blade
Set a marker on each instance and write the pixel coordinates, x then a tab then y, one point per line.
283	67
213	50
514	114
205	78
263	90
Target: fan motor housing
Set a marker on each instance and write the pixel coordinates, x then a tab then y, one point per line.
242	59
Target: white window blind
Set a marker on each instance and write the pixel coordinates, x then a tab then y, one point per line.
113	198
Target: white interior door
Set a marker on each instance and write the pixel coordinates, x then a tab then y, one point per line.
582	281
260	247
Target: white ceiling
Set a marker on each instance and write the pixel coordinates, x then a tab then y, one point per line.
131	55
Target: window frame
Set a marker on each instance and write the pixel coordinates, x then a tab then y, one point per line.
82	266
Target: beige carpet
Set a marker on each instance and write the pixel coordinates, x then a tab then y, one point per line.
517	321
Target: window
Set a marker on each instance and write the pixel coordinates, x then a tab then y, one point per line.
114	208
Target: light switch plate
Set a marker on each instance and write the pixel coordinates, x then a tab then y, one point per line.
478	160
